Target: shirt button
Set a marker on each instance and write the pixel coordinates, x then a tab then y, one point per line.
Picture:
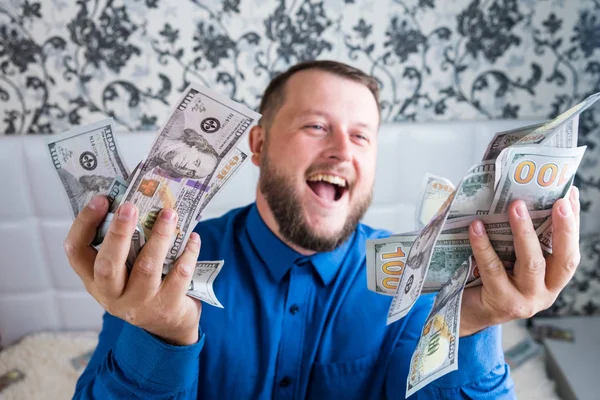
285	381
294	309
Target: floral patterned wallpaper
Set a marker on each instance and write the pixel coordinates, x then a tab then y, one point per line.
65	62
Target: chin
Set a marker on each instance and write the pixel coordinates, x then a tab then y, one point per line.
326	224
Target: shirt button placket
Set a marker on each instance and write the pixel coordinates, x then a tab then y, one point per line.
292	334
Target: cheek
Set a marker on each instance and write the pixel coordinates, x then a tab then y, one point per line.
365	170
292	157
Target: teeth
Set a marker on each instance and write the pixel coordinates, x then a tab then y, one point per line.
336	180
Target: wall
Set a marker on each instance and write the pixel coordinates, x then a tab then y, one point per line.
64	63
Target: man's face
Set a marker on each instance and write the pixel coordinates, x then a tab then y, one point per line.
318	161
193	163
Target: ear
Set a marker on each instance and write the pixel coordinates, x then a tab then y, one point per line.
257	141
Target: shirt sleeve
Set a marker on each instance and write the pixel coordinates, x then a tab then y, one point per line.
131	363
482	372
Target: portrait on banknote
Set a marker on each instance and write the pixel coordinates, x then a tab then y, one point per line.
186	154
81	190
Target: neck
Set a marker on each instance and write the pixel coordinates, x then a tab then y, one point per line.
269	219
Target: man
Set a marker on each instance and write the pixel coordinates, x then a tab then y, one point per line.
299	321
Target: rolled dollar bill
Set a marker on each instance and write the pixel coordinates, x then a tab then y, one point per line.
437	350
434	192
201	286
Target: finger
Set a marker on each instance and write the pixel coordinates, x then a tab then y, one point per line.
492	272
178	279
147	271
110	273
574	199
565	257
530	267
80	253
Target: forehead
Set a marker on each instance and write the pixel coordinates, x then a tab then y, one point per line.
331	94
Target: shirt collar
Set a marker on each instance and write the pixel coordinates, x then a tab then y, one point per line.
279	257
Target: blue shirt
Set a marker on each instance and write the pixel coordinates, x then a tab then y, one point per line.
293	327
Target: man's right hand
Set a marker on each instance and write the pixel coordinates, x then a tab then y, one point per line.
160	307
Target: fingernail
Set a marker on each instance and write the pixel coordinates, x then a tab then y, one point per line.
195	238
125	211
168	214
565	209
521	210
478	228
96	202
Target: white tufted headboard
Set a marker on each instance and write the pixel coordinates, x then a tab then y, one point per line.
39	290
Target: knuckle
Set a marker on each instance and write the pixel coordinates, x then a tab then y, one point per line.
184	269
536	265
525	228
521	310
69	248
104	269
162	233
145	265
493	266
118	233
573	262
131	315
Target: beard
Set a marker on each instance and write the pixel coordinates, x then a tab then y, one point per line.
286	206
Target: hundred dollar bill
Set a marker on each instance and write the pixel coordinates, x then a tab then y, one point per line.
386	259
537	175
502	140
201	287
385	262
560	131
417	263
476	192
202	130
228	167
522	351
545	236
437	350
434	192
87	160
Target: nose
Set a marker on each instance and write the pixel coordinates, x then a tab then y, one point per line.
340	146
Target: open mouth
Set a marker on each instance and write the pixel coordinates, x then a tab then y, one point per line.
328	187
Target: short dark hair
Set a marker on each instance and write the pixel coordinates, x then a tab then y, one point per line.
273	96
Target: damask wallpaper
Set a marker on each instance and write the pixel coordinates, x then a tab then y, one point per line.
64	63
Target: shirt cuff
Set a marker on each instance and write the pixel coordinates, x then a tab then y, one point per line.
150	361
478	355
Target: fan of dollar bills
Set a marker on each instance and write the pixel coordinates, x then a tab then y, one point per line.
536	164
192	157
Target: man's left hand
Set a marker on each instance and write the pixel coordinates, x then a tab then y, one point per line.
535	282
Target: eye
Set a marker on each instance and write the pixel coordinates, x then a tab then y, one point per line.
317	127
362	138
